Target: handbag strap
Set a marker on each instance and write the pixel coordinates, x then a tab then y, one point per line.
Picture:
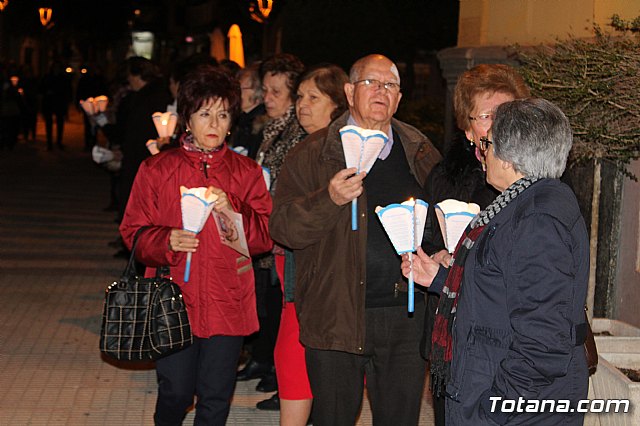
162	271
130	270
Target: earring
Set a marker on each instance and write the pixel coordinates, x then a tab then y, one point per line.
229	133
471	142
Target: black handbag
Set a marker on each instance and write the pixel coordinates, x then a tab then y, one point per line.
143	318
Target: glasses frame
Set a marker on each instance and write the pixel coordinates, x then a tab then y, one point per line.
371	82
483	118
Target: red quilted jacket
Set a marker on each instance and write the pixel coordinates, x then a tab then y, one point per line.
220	294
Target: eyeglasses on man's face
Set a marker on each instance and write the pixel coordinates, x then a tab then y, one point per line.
484	143
377	84
483	118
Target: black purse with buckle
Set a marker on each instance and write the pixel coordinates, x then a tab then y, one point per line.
143	318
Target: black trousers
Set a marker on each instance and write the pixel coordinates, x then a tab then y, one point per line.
48	126
391	364
206	369
269	300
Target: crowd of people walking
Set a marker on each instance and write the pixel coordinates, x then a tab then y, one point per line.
320	307
25	97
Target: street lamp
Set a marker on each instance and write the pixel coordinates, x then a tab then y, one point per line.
261	15
45	15
264	9
3	4
236	50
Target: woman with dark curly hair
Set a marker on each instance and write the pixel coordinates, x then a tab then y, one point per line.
220	294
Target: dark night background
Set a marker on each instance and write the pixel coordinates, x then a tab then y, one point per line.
91	32
330	30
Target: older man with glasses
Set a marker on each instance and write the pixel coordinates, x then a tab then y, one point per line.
353	314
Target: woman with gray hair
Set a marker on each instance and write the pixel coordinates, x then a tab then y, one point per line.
517	284
246	135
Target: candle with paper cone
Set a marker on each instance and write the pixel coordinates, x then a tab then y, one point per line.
361	149
196	205
165	123
101	103
396	218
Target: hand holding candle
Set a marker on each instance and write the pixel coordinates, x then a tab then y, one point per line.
183	241
421	266
152	146
196	205
346	186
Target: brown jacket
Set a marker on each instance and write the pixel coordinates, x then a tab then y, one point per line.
330	257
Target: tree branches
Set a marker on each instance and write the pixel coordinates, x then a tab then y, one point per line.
596	83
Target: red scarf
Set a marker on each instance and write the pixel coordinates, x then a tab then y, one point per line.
441	341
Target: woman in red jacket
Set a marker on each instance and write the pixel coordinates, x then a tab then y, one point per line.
220	294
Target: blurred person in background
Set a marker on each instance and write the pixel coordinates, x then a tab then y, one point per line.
28	86
11	106
148	94
90	85
247	132
55	90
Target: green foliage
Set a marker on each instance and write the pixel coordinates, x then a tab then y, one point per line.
596	83
622	25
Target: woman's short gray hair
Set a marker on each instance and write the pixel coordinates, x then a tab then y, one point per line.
534	135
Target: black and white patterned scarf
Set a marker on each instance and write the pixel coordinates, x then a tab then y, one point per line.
278	137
